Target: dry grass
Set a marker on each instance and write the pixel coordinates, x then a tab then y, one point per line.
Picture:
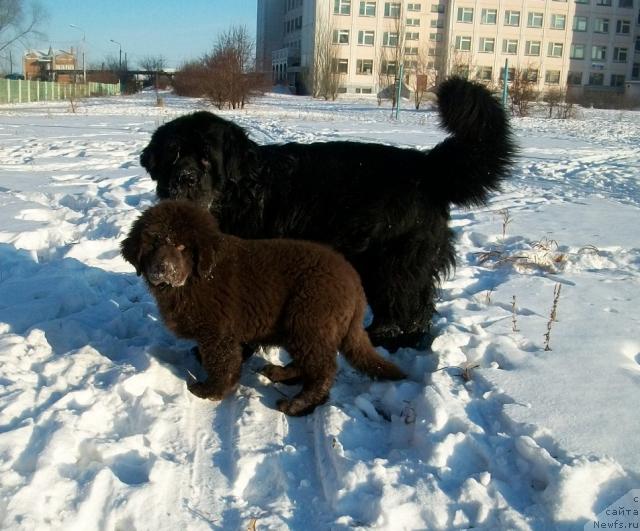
553	316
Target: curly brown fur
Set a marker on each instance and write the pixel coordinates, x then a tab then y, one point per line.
226	292
385	208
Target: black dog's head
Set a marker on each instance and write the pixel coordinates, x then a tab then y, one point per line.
193	156
172	241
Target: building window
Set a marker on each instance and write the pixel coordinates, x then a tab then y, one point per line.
411	51
635	72
599	53
625	3
606	3
574	78
463	43
389	68
413	22
342	7
620	55
437	23
340	66
554	49
340	36
437	8
582	2
511	72
485	73
510	46
363	90
558	21
601	25
392	9
366	38
552	77
596	78
532	48
488	16
465	14
437	37
580	23
617	80
412	36
637	44
461	70
364	67
414	7
511	18
623	27
389	38
487	45
534	19
531	75
576	51
367	9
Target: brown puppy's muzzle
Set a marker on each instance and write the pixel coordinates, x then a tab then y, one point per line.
167	266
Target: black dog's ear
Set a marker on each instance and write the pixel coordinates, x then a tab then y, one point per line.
147	159
131	246
238	152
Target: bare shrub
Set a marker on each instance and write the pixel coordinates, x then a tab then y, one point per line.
558	105
523	91
226	75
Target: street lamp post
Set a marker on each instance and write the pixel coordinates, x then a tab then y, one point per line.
84	66
120	47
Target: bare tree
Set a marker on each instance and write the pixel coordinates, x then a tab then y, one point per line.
422	75
226	76
326	75
19	21
522	91
153	63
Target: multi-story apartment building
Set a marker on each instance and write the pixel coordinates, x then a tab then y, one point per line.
582	44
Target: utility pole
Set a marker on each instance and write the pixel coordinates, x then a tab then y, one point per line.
505	80
84	67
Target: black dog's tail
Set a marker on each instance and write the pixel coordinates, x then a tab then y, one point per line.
478	154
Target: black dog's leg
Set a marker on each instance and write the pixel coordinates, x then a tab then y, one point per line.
223	362
401	286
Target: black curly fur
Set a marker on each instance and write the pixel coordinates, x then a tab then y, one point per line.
385	208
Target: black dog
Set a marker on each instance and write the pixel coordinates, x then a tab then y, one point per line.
385	208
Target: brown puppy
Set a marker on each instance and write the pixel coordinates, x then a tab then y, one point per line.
224	292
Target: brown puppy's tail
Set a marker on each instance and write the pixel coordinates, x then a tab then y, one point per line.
361	355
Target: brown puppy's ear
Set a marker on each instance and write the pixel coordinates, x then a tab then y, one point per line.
204	255
206	244
131	246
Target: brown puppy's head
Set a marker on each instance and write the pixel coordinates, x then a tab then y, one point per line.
172	241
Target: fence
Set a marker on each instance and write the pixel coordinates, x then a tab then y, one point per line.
21	91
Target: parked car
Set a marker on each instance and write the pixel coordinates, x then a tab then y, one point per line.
14	76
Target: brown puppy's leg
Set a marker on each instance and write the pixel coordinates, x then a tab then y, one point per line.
290	374
317	377
223	362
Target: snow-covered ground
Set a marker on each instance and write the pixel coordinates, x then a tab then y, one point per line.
491	431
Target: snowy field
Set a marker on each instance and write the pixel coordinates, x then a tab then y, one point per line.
490	431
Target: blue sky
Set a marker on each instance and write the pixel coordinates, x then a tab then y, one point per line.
176	29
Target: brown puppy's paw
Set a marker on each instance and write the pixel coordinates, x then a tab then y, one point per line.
204	390
297	407
288	375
